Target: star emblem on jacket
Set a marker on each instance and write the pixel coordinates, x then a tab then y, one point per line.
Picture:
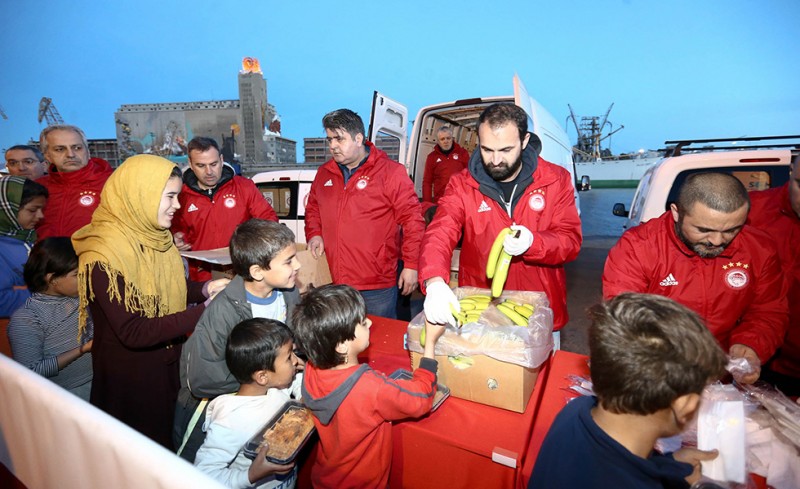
736	275
87	198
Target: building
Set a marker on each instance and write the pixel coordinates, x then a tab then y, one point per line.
239	126
315	150
105	149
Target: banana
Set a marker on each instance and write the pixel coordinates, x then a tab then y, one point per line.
524	311
461	362
513	315
422	335
500	273
529	307
478	298
494	253
467	306
458	315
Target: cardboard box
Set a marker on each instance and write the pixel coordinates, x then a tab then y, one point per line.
271	196
285	200
487	381
313	272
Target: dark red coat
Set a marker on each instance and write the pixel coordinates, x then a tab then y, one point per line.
360	222
73	197
739	294
439	167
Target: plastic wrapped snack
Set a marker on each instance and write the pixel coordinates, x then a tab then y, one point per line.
493	333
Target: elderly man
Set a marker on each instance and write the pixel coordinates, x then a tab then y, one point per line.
777	213
507	185
702	254
74	180
213	202
359	203
446	159
25	161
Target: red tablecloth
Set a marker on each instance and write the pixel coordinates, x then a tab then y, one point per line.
453	446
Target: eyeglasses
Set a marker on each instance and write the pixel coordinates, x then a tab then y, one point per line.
26	162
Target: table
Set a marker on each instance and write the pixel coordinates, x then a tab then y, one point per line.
453	446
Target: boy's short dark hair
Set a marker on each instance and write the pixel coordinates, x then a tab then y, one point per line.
257	242
325	317
646	351
253	345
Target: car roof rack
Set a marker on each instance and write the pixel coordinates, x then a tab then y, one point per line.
683	145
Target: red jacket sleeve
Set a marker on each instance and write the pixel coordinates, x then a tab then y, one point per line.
763	324
427	179
402	399
561	242
407	213
313	220
135	330
623	271
443	233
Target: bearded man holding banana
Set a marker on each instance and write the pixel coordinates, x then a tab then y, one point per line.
506	186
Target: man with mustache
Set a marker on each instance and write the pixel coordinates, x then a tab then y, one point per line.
507	185
358	204
74	180
702	254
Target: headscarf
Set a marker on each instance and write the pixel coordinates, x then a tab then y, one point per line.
124	238
10	198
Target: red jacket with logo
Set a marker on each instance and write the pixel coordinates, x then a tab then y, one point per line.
739	294
208	219
771	212
360	222
73	197
439	167
546	207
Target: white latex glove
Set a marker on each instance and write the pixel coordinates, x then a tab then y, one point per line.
517	246
438	301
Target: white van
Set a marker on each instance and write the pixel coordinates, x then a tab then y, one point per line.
757	166
389	120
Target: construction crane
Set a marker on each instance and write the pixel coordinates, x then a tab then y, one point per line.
3	113
48	112
590	135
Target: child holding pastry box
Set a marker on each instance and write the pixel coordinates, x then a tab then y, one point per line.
650	359
260	355
354	405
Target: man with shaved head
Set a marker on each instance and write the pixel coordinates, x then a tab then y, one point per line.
701	254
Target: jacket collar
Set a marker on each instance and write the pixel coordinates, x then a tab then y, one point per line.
190	180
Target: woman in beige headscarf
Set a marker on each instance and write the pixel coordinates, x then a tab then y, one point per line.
131	277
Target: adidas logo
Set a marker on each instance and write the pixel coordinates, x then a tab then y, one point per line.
192	208
484	207
669	281
329	183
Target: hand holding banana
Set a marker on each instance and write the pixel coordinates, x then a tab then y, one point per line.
512	241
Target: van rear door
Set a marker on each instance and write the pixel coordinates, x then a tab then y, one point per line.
388	124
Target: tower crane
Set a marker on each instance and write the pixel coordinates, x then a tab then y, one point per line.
48	112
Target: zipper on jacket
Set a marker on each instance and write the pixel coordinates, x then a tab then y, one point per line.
507	205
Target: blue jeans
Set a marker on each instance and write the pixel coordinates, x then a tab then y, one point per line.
381	302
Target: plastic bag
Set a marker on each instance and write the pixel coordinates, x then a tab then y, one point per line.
495	335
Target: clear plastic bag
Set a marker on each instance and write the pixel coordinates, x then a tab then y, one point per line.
494	334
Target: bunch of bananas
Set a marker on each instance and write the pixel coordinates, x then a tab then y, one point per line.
498	263
471	308
516	312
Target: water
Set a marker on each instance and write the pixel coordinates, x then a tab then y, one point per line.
596	216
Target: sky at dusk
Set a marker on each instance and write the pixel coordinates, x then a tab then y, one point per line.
673	69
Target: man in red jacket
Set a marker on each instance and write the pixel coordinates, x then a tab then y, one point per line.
446	159
700	253
359	203
507	185
213	202
74	180
777	212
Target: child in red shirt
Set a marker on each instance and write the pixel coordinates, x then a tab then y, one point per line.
354	405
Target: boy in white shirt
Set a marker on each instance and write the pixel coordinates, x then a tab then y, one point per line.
260	354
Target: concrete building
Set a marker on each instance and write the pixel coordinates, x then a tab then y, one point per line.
237	125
